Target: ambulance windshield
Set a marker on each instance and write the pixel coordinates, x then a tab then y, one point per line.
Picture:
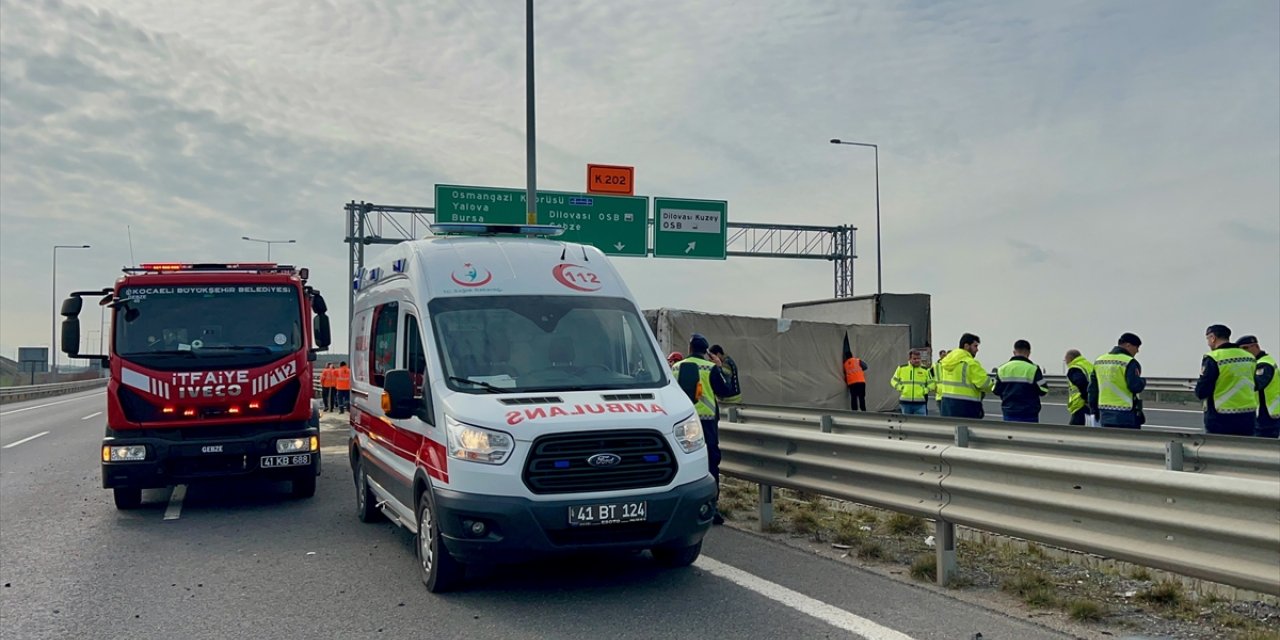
517	344
207	326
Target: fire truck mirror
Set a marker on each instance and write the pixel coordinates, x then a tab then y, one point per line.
321	330
70	335
71	306
318	304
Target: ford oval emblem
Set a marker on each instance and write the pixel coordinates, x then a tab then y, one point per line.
604	460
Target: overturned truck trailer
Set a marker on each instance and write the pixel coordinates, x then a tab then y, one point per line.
792	362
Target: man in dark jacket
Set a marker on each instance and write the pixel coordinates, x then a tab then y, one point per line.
1268	387
1115	384
1227	386
1020	383
695	374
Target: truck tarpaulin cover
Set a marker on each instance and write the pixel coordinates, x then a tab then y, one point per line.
792	362
889	308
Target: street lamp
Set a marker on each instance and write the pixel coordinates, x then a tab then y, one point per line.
53	335
879	270
268	243
531	179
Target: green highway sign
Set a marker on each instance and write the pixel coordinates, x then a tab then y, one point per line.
690	228
617	225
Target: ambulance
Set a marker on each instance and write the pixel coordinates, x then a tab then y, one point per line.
508	400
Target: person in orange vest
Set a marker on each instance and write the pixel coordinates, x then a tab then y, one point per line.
328	378
855	377
342	382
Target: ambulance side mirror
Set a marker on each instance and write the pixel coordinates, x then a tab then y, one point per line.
397	394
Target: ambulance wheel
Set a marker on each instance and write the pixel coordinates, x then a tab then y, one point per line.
439	570
679	557
366	505
304	486
127	498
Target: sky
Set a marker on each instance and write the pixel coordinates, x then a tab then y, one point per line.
1058	171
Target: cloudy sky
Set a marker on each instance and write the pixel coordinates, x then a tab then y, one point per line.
1057	171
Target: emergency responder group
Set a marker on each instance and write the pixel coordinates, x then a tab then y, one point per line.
335	387
1238	385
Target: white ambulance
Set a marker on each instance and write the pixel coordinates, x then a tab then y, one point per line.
508	400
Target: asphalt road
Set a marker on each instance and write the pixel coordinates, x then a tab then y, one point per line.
244	560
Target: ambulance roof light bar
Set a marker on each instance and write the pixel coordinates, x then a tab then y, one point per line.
486	229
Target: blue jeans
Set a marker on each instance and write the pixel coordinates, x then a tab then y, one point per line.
914	408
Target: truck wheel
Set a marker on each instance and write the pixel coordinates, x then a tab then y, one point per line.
366	505
304	486
679	557
127	498
439	570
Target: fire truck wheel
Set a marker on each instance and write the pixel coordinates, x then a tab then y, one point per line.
439	570
127	497
681	557
366	505
304	486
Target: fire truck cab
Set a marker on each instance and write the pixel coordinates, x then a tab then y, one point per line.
210	375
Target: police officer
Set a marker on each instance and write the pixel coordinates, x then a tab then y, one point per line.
1079	370
913	382
1020	383
729	369
1115	384
1268	385
1226	385
700	377
963	380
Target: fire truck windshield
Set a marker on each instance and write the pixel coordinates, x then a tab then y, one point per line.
229	325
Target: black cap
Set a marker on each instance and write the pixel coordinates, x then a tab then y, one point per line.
1247	340
1130	338
1219	330
698	344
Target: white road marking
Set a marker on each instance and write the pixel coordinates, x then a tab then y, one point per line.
50	404
174	511
831	615
92	415
27	439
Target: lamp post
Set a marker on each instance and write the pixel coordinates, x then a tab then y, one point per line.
268	243
879	270
531	188
53	334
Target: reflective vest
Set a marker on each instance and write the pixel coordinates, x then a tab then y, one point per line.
935	373
912	382
704	402
1113	388
730	371
342	379
1076	400
327	377
853	372
1271	393
1018	371
964	382
1234	390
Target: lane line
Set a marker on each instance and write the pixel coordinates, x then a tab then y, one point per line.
41	406
27	439
829	614
92	415
174	510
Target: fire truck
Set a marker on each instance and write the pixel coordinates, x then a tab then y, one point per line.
210	375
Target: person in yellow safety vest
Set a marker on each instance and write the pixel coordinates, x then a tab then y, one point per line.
1227	385
700	376
1268	385
1079	369
936	372
963	381
913	382
1115	384
729	369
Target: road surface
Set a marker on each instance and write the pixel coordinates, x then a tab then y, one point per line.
246	561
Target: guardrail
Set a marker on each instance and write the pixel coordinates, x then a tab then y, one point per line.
1233	456
1159	385
30	391
1223	529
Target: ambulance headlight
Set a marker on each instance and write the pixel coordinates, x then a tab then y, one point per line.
476	444
689	434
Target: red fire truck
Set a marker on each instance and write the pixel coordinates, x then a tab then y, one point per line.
210	375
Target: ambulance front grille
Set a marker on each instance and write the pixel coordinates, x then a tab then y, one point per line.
558	463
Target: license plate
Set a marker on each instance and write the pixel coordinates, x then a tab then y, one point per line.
615	513
299	460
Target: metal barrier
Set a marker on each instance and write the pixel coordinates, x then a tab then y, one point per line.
1161	385
1255	458
30	391
1223	529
